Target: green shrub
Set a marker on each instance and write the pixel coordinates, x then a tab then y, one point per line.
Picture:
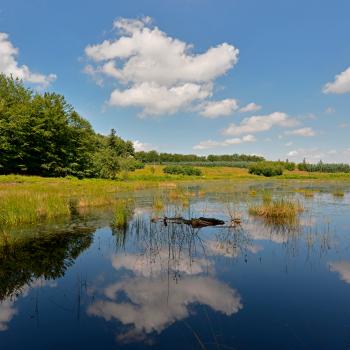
130	164
182	170
266	169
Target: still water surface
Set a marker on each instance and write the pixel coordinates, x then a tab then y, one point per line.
85	284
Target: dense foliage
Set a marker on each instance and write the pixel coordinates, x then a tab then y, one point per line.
155	157
285	165
324	167
235	164
41	134
266	169
182	170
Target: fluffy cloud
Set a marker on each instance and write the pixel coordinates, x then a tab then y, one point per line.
260	123
228	142
156	99
342	268
307	132
214	109
340	85
9	65
250	107
141	146
161	74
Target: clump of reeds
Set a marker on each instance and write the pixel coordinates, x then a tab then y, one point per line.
122	214
158	203
281	210
22	207
307	193
338	193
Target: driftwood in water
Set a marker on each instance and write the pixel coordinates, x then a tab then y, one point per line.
194	222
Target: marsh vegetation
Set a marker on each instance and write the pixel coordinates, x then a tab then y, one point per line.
141	256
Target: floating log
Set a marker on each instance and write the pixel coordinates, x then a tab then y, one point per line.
194	222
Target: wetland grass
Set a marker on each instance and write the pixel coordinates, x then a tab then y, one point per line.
122	214
277	211
158	204
34	199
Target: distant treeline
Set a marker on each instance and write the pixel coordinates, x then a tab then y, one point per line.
324	167
155	157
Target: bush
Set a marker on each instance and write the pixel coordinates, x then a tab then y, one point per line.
288	165
266	169
130	164
182	170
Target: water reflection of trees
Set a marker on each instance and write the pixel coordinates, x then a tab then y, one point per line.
47	256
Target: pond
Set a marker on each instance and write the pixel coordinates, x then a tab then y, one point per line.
90	283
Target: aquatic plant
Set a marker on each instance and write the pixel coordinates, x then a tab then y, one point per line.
281	210
158	203
122	214
308	193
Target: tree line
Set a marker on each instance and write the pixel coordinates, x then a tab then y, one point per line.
42	134
155	157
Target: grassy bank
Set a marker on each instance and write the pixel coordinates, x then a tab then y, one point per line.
31	199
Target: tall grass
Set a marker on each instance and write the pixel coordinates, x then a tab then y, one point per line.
122	214
26	200
27	207
277	211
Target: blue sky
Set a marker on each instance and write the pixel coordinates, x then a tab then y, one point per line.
178	75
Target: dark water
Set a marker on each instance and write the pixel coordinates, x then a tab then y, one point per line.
88	285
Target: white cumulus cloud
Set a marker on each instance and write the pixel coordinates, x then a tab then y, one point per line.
10	66
307	132
142	146
214	109
158	73
228	142
156	99
250	107
340	85
260	123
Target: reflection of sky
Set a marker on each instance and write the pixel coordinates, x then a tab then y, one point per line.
342	268
154	304
7	307
153	299
7	311
147	266
149	289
